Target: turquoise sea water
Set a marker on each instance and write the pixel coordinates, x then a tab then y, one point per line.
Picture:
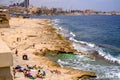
99	36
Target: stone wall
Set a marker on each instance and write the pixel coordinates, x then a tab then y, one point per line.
5	73
6	61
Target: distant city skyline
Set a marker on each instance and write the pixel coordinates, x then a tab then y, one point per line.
100	5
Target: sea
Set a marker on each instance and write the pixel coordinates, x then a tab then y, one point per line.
97	35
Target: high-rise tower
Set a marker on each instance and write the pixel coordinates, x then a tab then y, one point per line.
26	3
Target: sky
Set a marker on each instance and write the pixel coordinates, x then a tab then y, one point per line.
100	5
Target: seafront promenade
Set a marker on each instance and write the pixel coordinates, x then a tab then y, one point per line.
34	38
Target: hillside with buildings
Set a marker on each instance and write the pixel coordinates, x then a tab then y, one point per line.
26	7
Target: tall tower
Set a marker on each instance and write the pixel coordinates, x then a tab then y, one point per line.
26	3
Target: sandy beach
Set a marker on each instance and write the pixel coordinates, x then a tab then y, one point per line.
34	37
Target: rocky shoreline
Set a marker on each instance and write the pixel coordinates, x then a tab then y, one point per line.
35	37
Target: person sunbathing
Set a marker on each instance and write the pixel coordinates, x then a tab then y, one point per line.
29	67
27	74
35	67
39	75
55	71
19	68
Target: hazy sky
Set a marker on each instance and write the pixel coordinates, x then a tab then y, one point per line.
103	5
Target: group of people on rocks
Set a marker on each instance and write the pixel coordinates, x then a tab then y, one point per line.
31	72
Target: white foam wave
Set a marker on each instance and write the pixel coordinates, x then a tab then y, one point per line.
108	57
56	20
118	74
89	46
82	42
72	34
74	40
60	28
82	46
63	62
